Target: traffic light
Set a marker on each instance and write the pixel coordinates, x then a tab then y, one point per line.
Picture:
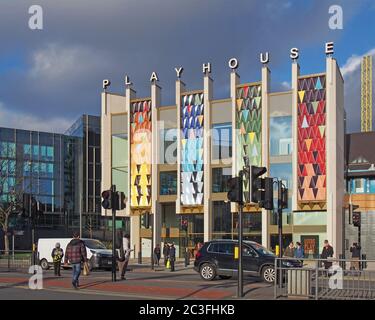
234	189
356	215
257	184
121	201
145	220
107	199
184	224
284	198
267	201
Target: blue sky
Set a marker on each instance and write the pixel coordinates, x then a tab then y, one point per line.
51	76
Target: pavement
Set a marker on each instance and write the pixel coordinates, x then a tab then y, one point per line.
141	283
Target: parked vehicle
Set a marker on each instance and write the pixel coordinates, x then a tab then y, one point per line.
216	258
98	255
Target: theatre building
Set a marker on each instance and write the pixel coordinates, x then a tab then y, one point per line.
173	161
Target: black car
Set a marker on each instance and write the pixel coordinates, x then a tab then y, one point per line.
216	258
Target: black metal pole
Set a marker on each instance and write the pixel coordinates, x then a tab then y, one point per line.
359	244
152	242
114	202
280	217
240	209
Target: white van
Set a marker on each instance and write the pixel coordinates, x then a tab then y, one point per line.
98	255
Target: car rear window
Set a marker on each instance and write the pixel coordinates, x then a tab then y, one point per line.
221	247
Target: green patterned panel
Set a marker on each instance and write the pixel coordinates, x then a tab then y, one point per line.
249	128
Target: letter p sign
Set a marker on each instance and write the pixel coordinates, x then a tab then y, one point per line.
36	20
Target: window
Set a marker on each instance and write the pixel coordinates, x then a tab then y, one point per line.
281	136
220	177
221	247
168	183
222	217
7	149
221	140
282	171
27	151
46	186
35	152
362	185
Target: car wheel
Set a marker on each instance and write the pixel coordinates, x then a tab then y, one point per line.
44	264
225	277
268	274
207	272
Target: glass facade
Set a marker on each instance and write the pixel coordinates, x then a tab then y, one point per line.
87	128
120	143
284	172
221	141
281	136
220	178
37	163
168	146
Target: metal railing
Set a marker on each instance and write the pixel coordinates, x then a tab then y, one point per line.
335	279
15	261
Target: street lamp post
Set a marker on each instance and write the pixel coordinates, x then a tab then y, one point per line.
240	220
114	202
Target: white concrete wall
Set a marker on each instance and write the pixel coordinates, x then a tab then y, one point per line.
335	154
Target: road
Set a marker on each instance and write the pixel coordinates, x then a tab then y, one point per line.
141	283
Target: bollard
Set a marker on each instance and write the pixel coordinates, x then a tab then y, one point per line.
187	257
139	257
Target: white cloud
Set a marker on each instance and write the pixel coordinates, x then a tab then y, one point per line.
56	61
19	120
286	85
354	63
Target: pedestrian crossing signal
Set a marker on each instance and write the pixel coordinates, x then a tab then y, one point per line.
107	199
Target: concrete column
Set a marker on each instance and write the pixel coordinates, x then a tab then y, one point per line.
130	94
135	238
207	93
334	154
156	209
295	75
234	81
266	79
180	88
105	149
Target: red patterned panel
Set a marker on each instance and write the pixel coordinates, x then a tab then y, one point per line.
311	156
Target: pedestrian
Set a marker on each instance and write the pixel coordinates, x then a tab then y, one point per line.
157	254
172	256
166	253
289	251
299	252
124	261
327	252
355	249
76	254
57	255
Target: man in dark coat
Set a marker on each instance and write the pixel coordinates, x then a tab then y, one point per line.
327	252
356	254
165	253
172	256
